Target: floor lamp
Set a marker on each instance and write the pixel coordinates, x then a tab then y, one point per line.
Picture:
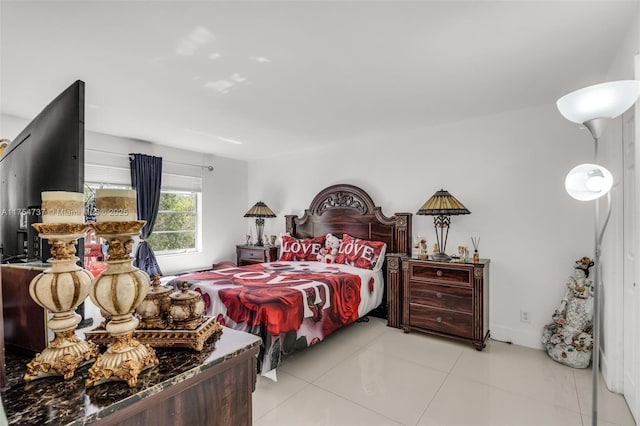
591	107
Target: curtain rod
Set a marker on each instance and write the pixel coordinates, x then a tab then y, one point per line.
209	167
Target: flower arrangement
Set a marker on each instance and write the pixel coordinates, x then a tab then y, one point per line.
423	249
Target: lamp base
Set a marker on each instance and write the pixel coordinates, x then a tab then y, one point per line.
124	360
441	257
259	230
64	355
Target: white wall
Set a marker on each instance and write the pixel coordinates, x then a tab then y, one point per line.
507	169
224	190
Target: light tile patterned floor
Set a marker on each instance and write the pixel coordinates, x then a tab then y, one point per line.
370	374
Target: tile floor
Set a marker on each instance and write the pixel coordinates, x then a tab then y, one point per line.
370	374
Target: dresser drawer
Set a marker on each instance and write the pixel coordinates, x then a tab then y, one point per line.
444	274
454	298
441	320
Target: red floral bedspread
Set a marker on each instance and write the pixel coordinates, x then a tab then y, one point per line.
288	306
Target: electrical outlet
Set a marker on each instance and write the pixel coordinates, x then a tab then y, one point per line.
525	316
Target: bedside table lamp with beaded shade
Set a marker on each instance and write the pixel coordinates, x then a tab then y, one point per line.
442	205
260	210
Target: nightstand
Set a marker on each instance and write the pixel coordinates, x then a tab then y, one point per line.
447	299
247	255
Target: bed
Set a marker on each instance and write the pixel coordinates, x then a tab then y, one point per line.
298	301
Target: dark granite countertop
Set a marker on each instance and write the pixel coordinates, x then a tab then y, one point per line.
54	401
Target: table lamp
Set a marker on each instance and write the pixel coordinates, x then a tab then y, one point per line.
442	205
260	210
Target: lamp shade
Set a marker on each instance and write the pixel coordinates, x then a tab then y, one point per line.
605	100
260	209
587	182
442	204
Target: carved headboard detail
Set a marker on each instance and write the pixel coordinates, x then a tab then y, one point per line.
348	209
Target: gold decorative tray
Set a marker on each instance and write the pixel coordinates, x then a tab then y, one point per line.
169	338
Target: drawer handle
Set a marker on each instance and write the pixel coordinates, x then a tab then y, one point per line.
439	273
439	295
439	319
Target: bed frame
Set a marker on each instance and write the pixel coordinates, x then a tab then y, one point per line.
347	209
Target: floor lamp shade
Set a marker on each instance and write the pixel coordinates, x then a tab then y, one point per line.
604	100
587	182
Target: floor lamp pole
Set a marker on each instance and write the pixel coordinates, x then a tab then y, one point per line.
595	127
595	357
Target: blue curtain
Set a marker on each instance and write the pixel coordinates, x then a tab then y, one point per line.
146	179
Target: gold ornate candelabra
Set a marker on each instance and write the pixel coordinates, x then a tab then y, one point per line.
60	289
118	291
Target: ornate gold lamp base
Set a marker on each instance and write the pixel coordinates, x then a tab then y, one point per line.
60	289
118	291
65	354
124	360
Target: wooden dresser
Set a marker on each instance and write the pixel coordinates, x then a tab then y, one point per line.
445	299
25	322
247	255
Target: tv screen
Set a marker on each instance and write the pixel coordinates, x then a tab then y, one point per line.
48	155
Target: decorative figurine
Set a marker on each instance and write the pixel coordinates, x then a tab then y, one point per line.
463	251
569	338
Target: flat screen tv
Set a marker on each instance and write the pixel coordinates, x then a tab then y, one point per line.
48	155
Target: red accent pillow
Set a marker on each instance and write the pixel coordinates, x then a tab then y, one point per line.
300	250
360	253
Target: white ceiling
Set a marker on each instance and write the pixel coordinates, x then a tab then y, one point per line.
289	75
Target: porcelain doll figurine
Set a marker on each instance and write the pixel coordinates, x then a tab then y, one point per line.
569	338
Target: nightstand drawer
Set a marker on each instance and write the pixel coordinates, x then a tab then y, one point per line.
251	254
444	274
247	255
441	296
441	320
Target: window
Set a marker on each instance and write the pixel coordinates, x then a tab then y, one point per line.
177	222
176	227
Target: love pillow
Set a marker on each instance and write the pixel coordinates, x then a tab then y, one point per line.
360	253
300	250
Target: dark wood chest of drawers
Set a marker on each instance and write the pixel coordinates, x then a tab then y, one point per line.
447	299
247	255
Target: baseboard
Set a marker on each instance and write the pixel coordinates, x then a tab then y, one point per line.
527	338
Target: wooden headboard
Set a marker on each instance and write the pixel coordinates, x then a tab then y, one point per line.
348	209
